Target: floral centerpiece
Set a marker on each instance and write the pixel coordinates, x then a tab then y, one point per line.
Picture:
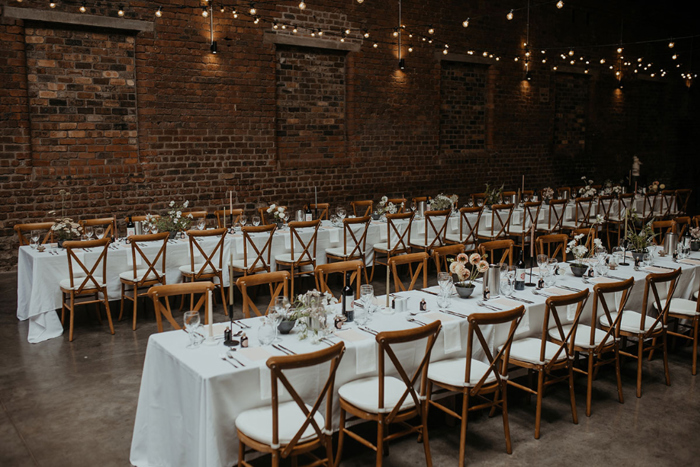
279	213
64	228
580	251
609	189
386	207
638	240
656	187
310	312
173	221
467	269
547	194
492	195
695	238
587	191
442	202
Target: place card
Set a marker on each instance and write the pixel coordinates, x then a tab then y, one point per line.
505	303
557	291
692	261
603	280
352	335
254	353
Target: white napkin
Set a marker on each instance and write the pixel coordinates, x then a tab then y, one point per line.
259	355
334	235
130	259
450	329
365	349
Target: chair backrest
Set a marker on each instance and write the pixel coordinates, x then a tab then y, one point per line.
469	229
590	234
567	339
212	261
322	209
556	241
682	224
478	199
262	255
400	204
435	227
531	213
441	253
624	203
476	323
508	197
648	203
23	229
228	217
109	223
555	216
600	292
500	220
682	198
143	218
81	272
394	235
362	208
355	236
661	228
564	191
306	249
419	199
277	366
164	292
491	249
667	201
696	220
584	211
195	214
651	288
264	215
323	271
278	282
387	340
605	204
152	262
420	260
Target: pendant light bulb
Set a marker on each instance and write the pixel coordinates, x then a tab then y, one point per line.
671	45
205	12
121	11
234	13
560	4
465	23
510	15
159	11
302	5
253	11
52	4
431	29
83	8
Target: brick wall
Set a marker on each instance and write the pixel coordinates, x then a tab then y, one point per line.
193	125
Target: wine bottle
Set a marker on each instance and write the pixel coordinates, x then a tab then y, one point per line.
130	227
308	216
347	296
520	273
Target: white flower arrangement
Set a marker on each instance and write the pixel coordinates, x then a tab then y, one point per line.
580	251
310	308
174	221
547	194
386	207
469	267
442	202
587	191
695	233
656	187
64	228
278	212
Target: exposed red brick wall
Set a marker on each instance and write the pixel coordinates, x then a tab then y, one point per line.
209	123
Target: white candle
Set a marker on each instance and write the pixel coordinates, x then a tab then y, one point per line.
315	197
230	204
523	184
388	283
210	314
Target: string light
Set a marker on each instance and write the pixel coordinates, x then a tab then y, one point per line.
560	4
674	56
516	59
431	29
444	51
275	26
619	50
320	33
295	30
510	15
396	32
360	1
121	11
302	5
375	45
342	37
234	13
402	64
554	68
465	23
544	60
366	34
213	47
671	45
205	12
159	11
347	31
52	4
83	8
410	49
253	11
223	10
485	54
571	52
256	20
602	61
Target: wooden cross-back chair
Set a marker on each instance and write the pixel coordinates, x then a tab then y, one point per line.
259	258
564	192
682	199
109	224
292	428
362	208
648	206
584	209
594	342
605	206
686	314
478	199
682	224
420	199
149	273
398	401
616	216
84	283
643	328
142	218
468	228
554	244
277	281
435	227
400	204
264	220
305	254
420	260
544	357
195	214
523	232
211	265
490	250
160	294
323	272
320	210
354	242
661	228
397	242
474	379
24	229
667	206
555	217
500	223
588	234
228	217
441	254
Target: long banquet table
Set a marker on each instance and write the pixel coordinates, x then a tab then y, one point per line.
189	398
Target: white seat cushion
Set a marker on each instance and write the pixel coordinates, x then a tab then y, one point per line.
528	350
287	258
383	246
187	269
569	225
65	283
454	237
583	335
129	275
420	242
631	321
338	251
452	372
681	306
364	394
257	423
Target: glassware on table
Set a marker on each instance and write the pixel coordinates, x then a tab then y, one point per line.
256	220
266	331
99	232
35	235
413	206
89	232
340	211
367	297
646	260
445	283
506	286
281	310
201	223
193	326
552	266
242	219
542	261
601	253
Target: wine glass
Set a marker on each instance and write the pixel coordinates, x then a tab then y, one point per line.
193	325
647	260
552	266
99	232
413	206
89	232
35	235
266	331
367	297
242	219
506	288
256	220
201	223
542	261
340	211
445	283
154	229
281	307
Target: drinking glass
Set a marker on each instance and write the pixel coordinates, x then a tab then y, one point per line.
35	235
445	283
89	232
601	253
266	332
646	260
256	220
193	326
552	265
542	261
413	206
281	307
506	288
444	280
99	232
201	223
33	243
242	219
340	211
367	297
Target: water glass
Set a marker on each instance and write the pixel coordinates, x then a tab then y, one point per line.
35	236
193	326
542	261
444	280
89	232
99	232
242	219
256	220
266	331
646	260
201	223
506	288
340	211
367	296
34	244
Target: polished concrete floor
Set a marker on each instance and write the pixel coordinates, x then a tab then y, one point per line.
73	404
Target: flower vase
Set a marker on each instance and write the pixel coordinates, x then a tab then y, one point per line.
695	245
464	289
60	243
172	234
578	269
638	255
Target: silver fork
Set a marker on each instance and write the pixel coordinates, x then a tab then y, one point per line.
490	307
414	320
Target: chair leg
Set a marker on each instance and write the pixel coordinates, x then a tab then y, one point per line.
121	305
572	394
63	308
241	452
538	410
136	306
496	395
640	357
618	374
589	388
695	346
664	341
329	451
72	316
504	409
463	429
426	444
109	313
380	442
341	438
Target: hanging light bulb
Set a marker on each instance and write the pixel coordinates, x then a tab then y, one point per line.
671	45
572	62
444	51
410	49
554	68
212	48
375	45
256	20
674	56
465	23
253	11
274	25
619	50
560	4
485	54
83	8
543	52
366	34
544	60
320	33
571	52
510	15
347	31
342	37
516	59
234	13
295	30
396	32
52	4
223	10
205	12
602	61
471	52
121	11
402	64
302	5
159	12
431	29
313	33
360	1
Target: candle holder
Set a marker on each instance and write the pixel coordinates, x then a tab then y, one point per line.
530	283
